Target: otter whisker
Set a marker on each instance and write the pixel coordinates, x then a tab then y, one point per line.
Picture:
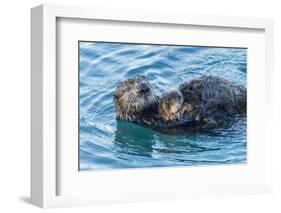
155	98
128	106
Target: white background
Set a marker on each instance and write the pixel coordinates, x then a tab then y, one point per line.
72	182
15	98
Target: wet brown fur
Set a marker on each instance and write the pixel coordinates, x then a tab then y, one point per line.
207	100
214	97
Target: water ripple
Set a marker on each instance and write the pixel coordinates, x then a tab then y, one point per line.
108	144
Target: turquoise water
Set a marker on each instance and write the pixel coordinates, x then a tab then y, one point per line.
109	144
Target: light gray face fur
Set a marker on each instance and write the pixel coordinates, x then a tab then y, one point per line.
172	100
170	105
133	95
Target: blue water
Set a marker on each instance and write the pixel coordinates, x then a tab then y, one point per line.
108	144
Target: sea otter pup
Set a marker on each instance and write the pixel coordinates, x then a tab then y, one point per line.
171	106
207	101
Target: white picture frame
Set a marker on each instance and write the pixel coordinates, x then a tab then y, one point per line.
45	165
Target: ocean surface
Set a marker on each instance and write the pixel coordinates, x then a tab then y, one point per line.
109	144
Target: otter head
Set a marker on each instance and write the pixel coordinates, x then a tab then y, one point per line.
170	105
132	96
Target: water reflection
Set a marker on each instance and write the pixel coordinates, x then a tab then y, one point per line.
109	144
131	139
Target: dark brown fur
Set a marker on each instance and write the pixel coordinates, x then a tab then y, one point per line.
203	102
214	97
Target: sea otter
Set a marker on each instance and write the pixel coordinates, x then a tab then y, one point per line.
201	103
136	101
171	106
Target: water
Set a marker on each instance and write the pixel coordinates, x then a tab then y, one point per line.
109	144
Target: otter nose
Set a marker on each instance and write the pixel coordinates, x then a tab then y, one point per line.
144	88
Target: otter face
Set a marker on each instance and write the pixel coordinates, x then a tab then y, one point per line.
132	96
170	105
